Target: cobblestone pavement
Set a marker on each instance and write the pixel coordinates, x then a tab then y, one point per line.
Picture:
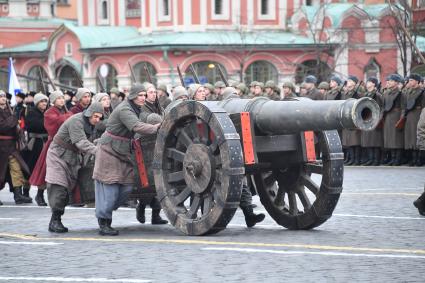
375	235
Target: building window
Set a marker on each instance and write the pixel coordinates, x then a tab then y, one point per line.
261	71
68	49
35	85
67	76
104	10
164	7
132	8
420	4
264	7
218	7
207	72
140	74
372	69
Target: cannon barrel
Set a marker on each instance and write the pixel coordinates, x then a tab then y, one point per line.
302	114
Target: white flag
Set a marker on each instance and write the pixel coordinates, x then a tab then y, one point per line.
14	86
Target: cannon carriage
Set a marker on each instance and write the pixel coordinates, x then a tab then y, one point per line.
204	150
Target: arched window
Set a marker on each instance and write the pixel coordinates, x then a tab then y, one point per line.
261	71
319	69
4	79
372	69
67	76
141	75
108	82
104	10
207	72
36	84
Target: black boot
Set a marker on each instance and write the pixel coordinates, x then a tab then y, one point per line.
391	158
376	156
140	213
420	204
156	218
370	157
251	218
350	156
39	198
412	159
55	224
1	203
357	155
398	157
19	198
105	228
26	192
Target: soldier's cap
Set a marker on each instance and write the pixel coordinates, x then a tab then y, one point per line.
253	83
21	95
415	77
323	85
270	84
154	118
95	107
98	97
179	92
373	80
310	79
55	95
162	87
115	90
229	92
39	97
395	77
81	92
289	85
135	90
219	84
209	86
192	89
336	79
353	78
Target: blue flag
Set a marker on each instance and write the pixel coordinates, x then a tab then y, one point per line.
14	86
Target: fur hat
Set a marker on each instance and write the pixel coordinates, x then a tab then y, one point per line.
179	92
135	90
310	79
353	78
55	95
95	107
395	77
80	93
98	97
336	79
373	80
415	77
39	97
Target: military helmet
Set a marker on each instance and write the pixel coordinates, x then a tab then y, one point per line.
209	86
271	84
289	85
323	85
219	84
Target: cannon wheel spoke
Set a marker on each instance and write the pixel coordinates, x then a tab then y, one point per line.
302	189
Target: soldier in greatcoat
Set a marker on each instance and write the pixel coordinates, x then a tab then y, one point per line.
196	92
10	158
351	138
310	86
413	100
243	91
271	90
71	146
373	141
37	136
393	137
163	96
335	89
218	90
288	89
114	168
83	97
209	91
420	202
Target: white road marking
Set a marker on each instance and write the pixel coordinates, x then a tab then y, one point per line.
67	208
247	250
6	218
72	279
379	216
29	243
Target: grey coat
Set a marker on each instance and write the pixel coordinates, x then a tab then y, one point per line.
393	137
374	138
113	163
420	141
63	163
412	116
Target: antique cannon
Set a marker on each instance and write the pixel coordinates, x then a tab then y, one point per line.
204	150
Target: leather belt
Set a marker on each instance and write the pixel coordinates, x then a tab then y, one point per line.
117	137
65	145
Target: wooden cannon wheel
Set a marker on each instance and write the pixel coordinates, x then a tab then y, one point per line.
198	168
294	197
